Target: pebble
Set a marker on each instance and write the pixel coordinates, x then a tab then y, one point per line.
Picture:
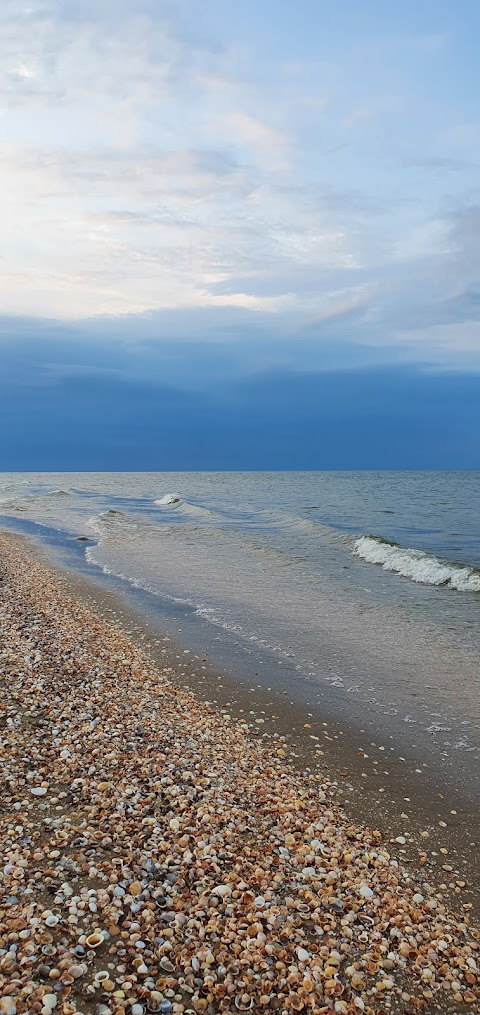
188	867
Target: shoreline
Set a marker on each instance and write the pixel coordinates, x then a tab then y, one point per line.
409	798
383	698
135	777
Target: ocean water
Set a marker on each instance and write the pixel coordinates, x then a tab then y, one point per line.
365	585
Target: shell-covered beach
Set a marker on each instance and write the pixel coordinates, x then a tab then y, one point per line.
157	858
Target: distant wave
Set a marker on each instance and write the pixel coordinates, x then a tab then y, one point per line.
169	498
416	564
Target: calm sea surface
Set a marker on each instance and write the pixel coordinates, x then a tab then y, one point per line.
365	584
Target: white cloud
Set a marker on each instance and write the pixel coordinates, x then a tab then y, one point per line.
146	167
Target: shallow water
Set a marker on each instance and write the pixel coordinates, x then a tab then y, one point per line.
279	563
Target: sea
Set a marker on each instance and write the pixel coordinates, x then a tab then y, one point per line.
359	590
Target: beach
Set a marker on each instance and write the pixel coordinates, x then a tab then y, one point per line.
161	854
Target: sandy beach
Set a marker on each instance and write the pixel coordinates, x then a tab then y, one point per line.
161	856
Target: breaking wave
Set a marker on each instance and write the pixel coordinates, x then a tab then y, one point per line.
417	565
169	498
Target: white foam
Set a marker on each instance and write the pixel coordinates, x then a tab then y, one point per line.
169	498
417	565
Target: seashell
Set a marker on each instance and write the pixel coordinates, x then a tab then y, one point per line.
167	965
8	1006
102	975
137	1009
50	1002
95	940
77	971
222	890
304	909
52	920
367	921
49	950
243	1002
335	904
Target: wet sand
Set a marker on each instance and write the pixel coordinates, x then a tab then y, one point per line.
217	868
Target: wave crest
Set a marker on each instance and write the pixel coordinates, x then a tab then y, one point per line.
169	498
416	564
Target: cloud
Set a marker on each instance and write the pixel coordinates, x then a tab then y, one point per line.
156	161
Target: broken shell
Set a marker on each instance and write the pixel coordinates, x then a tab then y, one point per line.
335	904
243	1002
94	940
364	918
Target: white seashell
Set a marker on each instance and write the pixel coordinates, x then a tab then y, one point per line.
50	1002
94	940
418	898
7	1006
77	971
51	920
38	791
137	1009
365	892
303	955
222	890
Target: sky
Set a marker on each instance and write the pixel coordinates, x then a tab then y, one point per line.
239	235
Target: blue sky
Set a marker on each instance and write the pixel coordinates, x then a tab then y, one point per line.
218	207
